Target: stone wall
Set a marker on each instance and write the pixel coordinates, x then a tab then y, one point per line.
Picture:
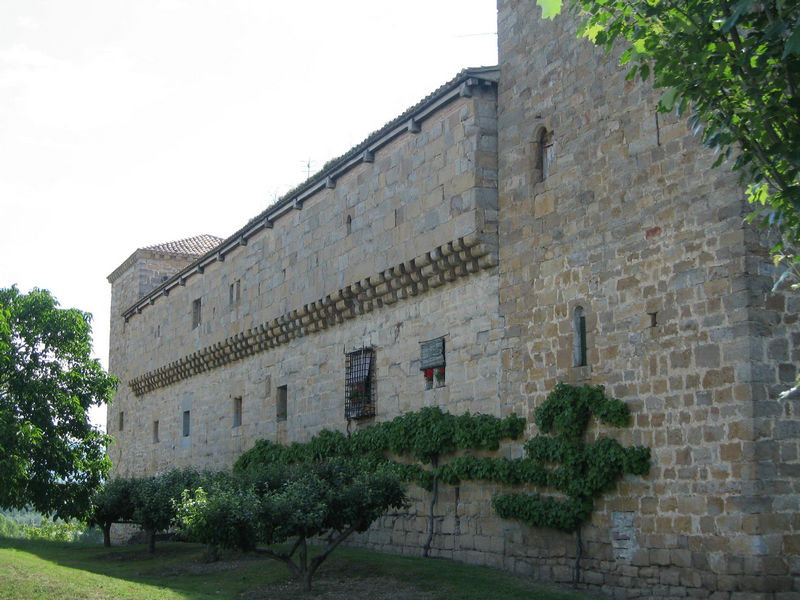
633	226
402	249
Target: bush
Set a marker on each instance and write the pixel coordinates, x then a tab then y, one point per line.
59	531
9	528
282	502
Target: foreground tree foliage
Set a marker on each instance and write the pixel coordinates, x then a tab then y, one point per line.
51	458
734	65
277	502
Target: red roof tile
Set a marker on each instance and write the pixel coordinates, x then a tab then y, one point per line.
195	246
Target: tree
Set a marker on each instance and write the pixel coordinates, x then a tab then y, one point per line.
735	66
278	502
113	503
51	457
155	500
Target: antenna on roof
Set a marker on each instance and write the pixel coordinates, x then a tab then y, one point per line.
307	165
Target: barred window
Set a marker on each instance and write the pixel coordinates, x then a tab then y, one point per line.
359	389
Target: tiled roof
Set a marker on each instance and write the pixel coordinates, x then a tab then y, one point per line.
195	246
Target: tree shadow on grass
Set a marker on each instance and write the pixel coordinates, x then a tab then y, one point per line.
349	574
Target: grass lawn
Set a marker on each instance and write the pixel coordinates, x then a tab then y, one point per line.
32	570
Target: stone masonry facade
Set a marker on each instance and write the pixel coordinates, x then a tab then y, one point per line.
495	215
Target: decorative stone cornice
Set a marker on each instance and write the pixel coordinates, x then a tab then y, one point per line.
443	264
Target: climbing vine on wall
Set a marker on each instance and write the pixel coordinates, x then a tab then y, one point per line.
424	435
557	458
581	471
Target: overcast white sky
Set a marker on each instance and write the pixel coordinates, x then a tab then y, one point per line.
127	123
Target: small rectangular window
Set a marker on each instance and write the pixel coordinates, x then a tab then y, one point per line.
234	293
121	420
280	402
432	363
155	432
237	412
359	387
186	423
196	313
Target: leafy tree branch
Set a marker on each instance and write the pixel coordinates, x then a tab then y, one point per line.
733	66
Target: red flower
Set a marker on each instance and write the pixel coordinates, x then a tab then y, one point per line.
428	373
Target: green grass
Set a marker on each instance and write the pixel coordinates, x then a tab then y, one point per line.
31	570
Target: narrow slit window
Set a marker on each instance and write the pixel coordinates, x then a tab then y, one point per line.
548	154
196	313
234	293
281	403
544	154
155	432
121	420
237	412
187	422
579	328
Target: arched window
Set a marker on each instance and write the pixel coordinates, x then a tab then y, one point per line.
579	337
349	224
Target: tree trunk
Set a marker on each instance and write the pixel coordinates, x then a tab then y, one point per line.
426	549
305	580
151	540
212	553
578	555
304	574
107	535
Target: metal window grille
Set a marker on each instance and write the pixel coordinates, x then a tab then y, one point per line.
359	388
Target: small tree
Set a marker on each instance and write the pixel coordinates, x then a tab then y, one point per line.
51	457
222	512
155	500
113	503
279	502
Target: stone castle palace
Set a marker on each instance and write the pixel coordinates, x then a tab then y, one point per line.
523	224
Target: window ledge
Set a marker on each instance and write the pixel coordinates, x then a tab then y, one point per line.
577	374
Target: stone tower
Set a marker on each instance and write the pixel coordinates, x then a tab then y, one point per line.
611	213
